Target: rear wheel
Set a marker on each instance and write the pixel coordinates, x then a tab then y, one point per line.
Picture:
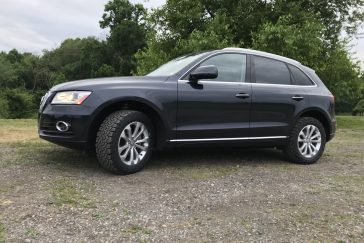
307	141
124	142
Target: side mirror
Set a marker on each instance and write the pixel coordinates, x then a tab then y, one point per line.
204	72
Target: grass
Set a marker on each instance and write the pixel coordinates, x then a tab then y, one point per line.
32	233
350	122
135	229
65	191
17	130
205	171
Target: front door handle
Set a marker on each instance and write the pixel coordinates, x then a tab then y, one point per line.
242	95
297	98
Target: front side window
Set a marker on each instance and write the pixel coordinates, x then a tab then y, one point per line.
231	67
269	71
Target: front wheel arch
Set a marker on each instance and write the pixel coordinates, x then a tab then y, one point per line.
129	104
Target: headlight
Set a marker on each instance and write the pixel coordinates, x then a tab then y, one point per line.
70	97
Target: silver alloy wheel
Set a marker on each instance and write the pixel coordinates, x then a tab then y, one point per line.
309	141
133	143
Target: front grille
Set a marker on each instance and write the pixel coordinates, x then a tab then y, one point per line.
45	100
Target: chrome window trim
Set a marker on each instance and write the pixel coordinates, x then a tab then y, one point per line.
253	54
285	85
214	82
226	139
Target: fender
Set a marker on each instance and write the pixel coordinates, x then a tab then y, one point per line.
319	110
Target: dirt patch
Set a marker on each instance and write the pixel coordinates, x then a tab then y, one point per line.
48	193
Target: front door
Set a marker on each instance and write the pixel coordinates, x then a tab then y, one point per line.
216	109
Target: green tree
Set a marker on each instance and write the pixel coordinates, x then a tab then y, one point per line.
301	41
22	105
127	33
8	73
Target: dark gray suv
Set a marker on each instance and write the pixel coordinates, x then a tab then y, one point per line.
222	97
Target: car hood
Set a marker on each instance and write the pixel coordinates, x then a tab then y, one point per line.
94	84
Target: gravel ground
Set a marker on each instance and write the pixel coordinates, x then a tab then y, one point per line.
52	194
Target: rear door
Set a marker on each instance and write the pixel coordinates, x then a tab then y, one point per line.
216	109
276	98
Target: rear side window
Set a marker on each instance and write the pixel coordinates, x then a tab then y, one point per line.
269	71
299	78
231	67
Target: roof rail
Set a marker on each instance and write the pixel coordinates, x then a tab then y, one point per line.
262	53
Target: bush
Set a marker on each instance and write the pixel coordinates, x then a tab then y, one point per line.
4	107
18	103
359	108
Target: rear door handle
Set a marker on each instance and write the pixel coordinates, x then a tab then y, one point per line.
297	98
242	95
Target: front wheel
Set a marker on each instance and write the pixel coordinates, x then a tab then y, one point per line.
124	142
307	141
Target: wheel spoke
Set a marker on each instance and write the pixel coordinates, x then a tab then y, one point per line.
143	148
302	147
142	140
136	156
302	134
123	156
131	155
122	148
312	130
136	129
307	131
316	135
305	150
314	149
140	133
316	141
124	136
128	132
309	150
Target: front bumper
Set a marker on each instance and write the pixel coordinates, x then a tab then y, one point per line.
78	116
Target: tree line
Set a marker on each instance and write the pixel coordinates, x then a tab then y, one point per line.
141	39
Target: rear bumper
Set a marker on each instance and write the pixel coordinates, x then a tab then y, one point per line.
332	130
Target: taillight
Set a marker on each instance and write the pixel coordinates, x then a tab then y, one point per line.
332	98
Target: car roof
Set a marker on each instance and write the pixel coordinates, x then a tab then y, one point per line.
264	54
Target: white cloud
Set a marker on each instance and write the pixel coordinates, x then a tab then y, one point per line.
34	25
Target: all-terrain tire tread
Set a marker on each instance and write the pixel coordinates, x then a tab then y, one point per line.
104	139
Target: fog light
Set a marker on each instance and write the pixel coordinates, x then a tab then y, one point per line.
62	126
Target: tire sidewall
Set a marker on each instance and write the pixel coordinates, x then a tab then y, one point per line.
118	163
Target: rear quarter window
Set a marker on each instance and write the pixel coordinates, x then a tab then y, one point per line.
299	78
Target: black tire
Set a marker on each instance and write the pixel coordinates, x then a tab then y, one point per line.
107	141
292	151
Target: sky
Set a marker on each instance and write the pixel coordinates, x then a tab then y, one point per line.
34	25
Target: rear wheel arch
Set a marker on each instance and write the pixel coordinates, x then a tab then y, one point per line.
319	115
129	104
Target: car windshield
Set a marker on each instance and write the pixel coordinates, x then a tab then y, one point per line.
175	65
